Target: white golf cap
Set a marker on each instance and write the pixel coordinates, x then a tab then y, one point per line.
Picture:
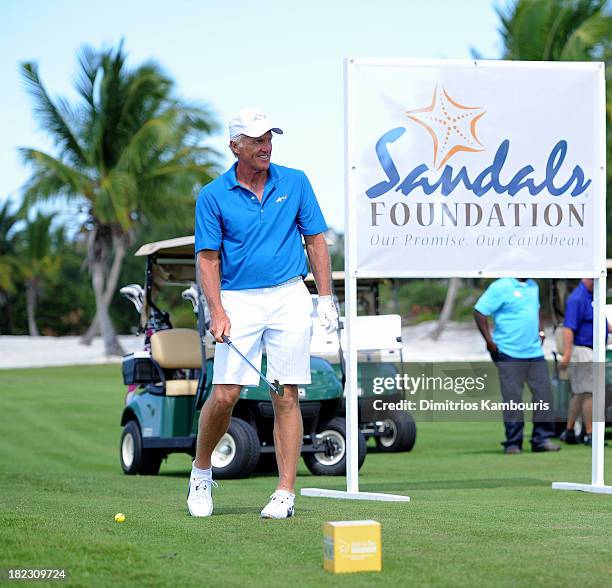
251	122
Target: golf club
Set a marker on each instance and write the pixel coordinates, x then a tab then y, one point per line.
276	387
135	294
191	294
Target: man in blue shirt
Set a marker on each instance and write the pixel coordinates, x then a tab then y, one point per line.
516	349
248	239
578	347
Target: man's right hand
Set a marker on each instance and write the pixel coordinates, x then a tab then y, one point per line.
564	362
492	347
219	325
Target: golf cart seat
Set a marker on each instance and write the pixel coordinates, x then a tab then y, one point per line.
177	349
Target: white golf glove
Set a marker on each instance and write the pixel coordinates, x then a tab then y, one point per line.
328	315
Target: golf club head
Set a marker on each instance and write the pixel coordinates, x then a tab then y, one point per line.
135	294
191	294
280	389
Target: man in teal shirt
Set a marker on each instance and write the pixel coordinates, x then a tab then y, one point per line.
516	349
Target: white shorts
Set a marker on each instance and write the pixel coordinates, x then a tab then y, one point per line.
277	318
581	370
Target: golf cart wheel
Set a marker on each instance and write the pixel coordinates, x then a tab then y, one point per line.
332	461
134	458
237	453
402	433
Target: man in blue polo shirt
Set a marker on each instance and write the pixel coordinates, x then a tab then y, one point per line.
578	347
248	239
516	349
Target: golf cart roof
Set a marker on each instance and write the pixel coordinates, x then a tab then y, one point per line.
183	246
180	246
172	262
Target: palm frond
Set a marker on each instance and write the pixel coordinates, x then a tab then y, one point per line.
550	30
49	115
202	173
197	117
89	62
122	196
590	40
10	272
9	220
172	162
150	138
53	178
34	240
147	92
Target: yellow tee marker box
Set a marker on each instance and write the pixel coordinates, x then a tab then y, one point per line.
352	546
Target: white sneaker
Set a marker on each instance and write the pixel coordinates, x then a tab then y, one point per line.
280	506
199	498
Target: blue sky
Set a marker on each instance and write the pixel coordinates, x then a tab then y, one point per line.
285	57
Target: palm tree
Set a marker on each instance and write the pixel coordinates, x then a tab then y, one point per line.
128	151
555	30
8	256
40	261
9	261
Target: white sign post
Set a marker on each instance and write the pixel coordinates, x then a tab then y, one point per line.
476	169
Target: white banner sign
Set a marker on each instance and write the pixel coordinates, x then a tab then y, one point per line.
476	168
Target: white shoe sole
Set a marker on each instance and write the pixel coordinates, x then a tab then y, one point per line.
193	514
270	516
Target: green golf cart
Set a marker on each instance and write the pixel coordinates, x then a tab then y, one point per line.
379	340
169	380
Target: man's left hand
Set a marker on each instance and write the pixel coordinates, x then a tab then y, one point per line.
328	315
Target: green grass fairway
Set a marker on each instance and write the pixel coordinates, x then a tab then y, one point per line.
477	517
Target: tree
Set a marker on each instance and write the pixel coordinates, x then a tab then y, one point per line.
128	151
554	30
8	257
447	310
40	260
9	261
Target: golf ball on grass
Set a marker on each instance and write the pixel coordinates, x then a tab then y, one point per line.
119	517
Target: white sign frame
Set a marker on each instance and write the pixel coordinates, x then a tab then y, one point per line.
352	272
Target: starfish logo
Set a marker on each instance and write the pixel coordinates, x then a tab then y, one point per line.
451	125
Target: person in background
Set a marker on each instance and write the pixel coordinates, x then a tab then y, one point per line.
578	355
516	349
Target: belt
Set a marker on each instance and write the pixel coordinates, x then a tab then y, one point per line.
288	282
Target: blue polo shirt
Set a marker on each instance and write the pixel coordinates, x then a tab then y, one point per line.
579	315
515	308
260	242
